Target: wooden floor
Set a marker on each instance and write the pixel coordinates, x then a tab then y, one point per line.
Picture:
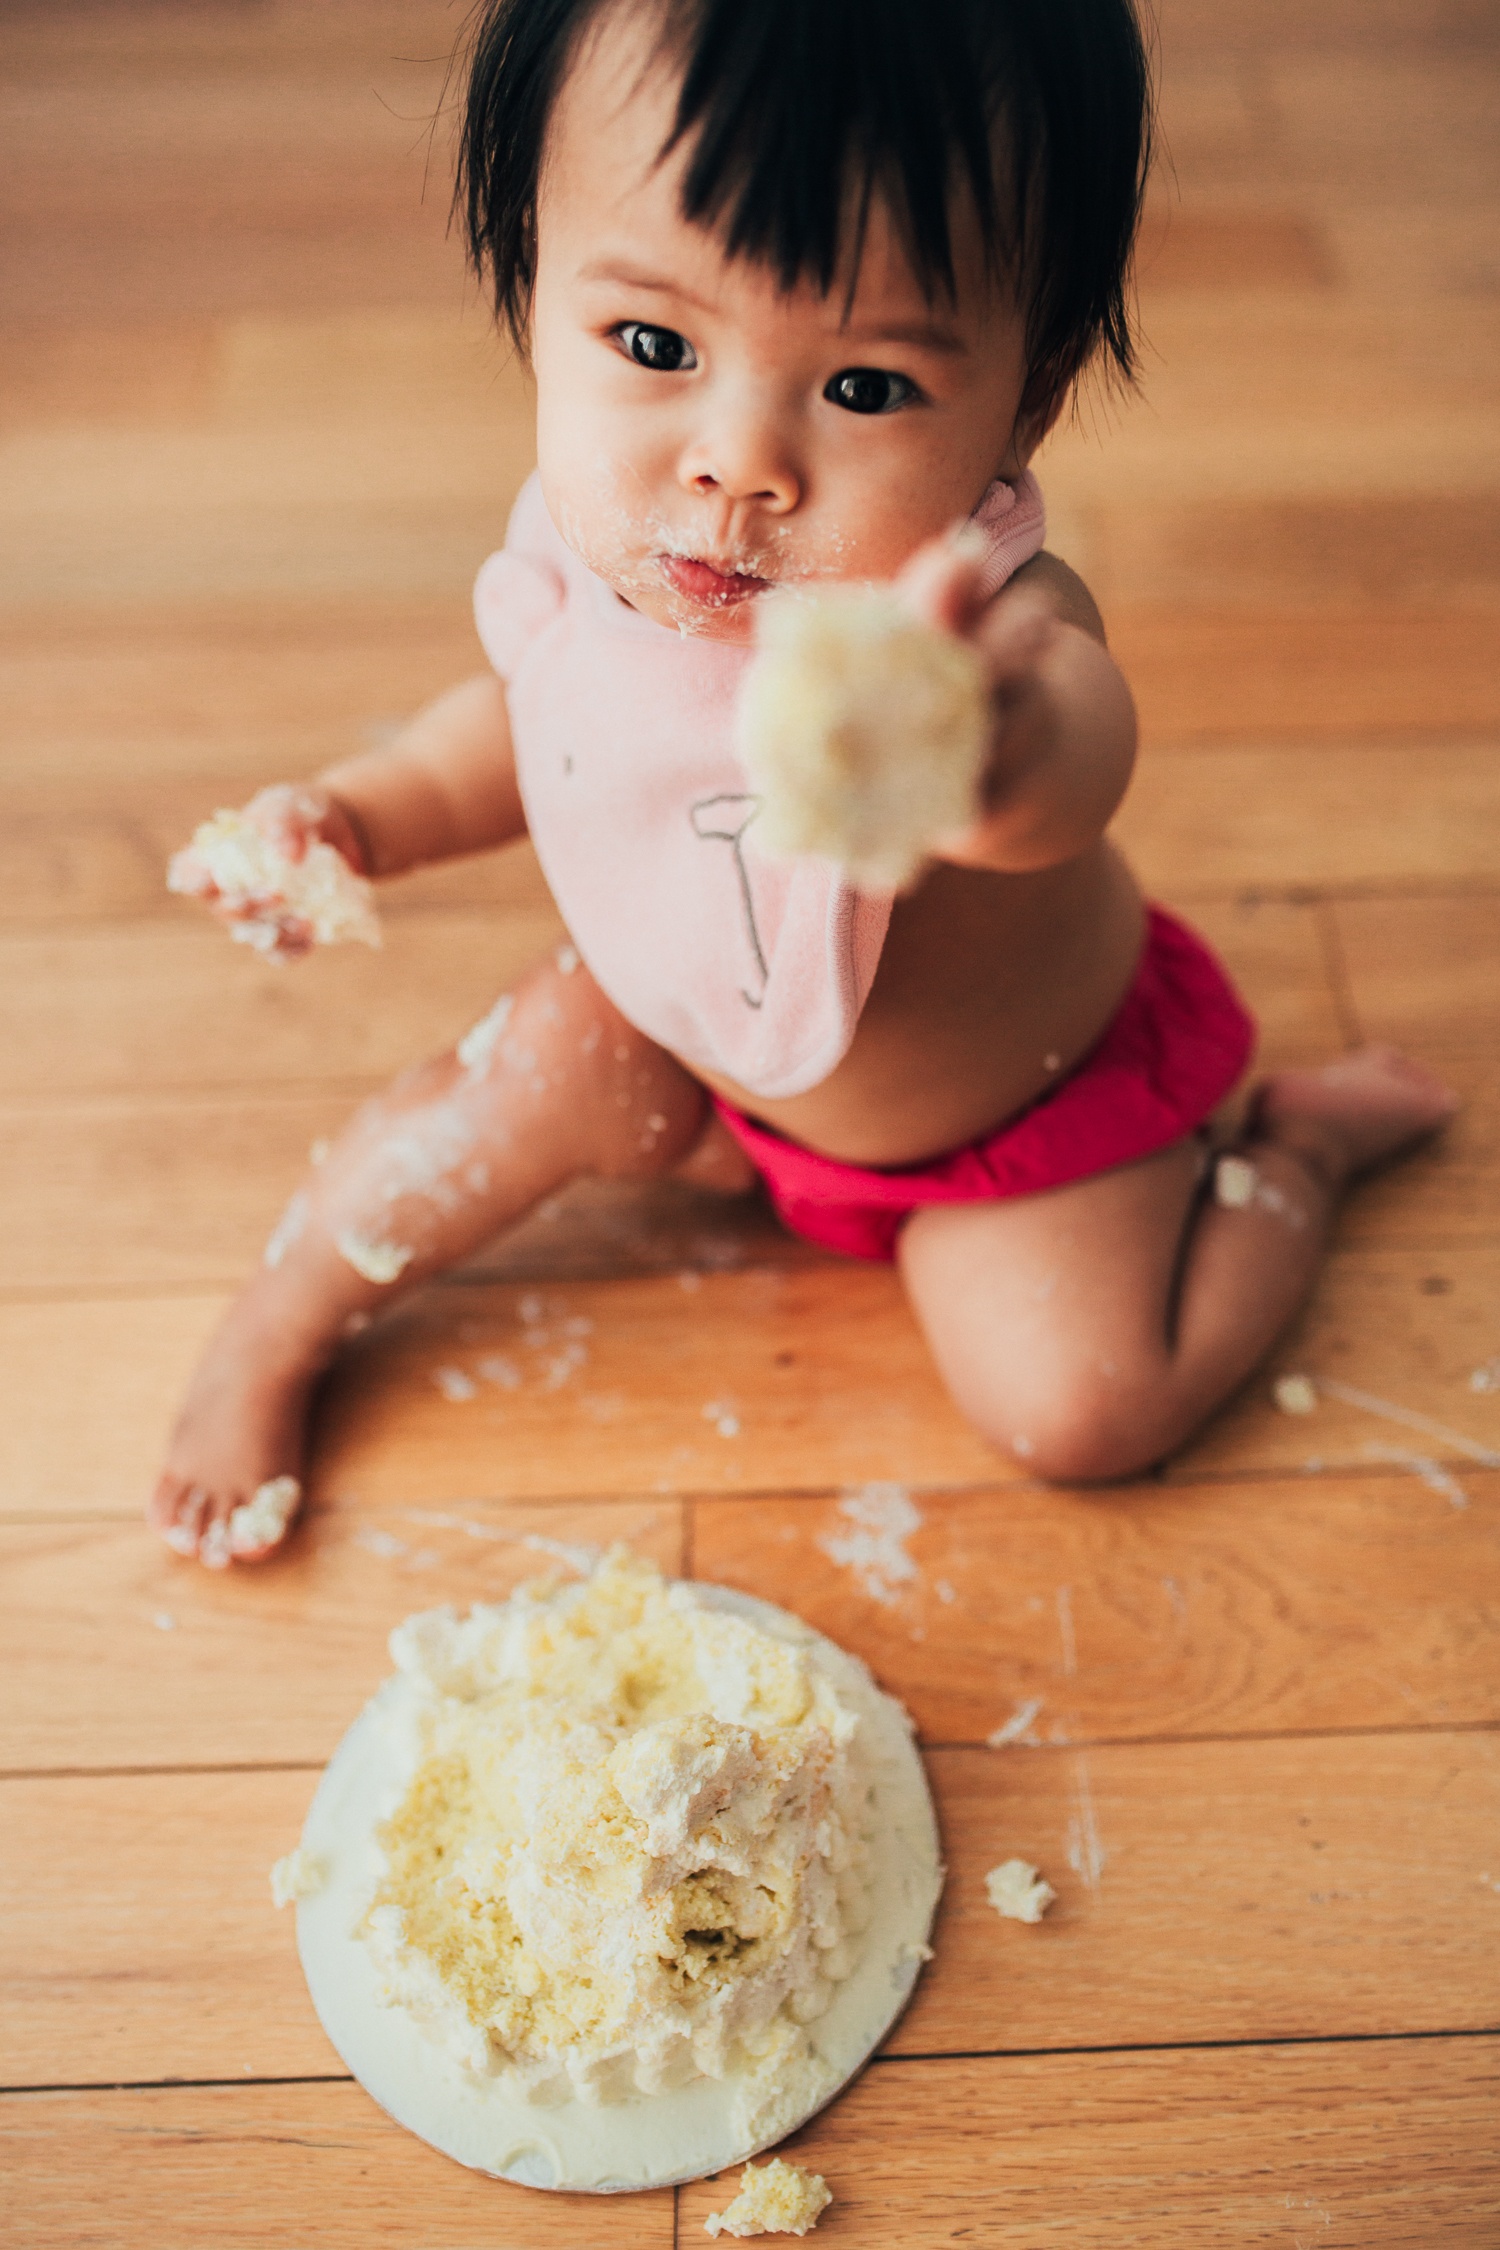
256	436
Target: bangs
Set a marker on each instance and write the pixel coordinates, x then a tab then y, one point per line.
796	114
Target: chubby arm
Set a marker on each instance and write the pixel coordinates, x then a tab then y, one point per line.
1064	736
445	787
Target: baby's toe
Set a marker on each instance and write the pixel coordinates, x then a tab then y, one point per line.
215	1550
261	1524
176	1510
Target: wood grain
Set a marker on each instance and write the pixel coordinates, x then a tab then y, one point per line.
1335	1602
305	2167
1381	2147
181	1006
1233	1891
787	1379
124	1655
1324	817
89	1393
1422	971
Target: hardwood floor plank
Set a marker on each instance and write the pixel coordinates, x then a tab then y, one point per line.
229	694
90	1391
125	1655
1382	2147
141	1195
180	1007
798	1378
1147	1610
1405	1328
1206	675
1274	1889
1314	816
1423	971
305	2167
1206	1891
1226	249
140	1940
1316	550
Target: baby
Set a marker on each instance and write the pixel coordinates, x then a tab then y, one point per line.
804	284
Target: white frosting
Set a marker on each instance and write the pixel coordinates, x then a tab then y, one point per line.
298	1874
284	905
262	1520
382	1262
651	1804
1018	1892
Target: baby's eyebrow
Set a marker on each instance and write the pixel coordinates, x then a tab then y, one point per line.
635	277
920	335
925	335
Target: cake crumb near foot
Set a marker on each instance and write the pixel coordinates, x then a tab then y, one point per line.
774	2198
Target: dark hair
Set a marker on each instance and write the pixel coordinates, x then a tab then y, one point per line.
798	111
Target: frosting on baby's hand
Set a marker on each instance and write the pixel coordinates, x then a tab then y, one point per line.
268	873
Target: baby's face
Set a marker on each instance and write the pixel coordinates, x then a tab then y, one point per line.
702	435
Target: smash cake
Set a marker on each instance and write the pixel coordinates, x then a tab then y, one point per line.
613	1884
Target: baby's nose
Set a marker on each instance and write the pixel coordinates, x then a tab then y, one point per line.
744	462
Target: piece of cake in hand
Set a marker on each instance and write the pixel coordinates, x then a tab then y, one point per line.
863	730
774	2198
280	905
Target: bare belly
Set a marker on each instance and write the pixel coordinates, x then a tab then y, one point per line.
990	988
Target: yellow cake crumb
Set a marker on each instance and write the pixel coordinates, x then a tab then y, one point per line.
1018	1892
1295	1394
774	2198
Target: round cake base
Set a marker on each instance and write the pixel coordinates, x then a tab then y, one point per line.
652	2140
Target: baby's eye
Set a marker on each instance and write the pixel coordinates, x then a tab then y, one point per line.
660	349
869	390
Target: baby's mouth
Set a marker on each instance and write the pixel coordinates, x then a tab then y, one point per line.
700	582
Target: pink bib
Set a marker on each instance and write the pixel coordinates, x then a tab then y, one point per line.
748	966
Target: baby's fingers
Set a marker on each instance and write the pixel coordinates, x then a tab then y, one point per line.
940	583
289	816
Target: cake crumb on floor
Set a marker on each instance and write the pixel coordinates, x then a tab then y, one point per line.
774	2198
1018	1892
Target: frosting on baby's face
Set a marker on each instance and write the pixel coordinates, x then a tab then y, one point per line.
701	432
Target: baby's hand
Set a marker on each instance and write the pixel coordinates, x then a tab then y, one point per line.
1059	723
284	874
1012	639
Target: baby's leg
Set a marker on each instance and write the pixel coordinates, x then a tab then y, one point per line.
1090	1330
554	1085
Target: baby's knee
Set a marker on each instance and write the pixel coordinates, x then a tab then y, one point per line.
1077	1428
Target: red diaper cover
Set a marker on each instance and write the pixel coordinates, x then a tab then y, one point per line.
1177	1044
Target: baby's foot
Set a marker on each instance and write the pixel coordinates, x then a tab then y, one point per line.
231	1485
1352	1113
